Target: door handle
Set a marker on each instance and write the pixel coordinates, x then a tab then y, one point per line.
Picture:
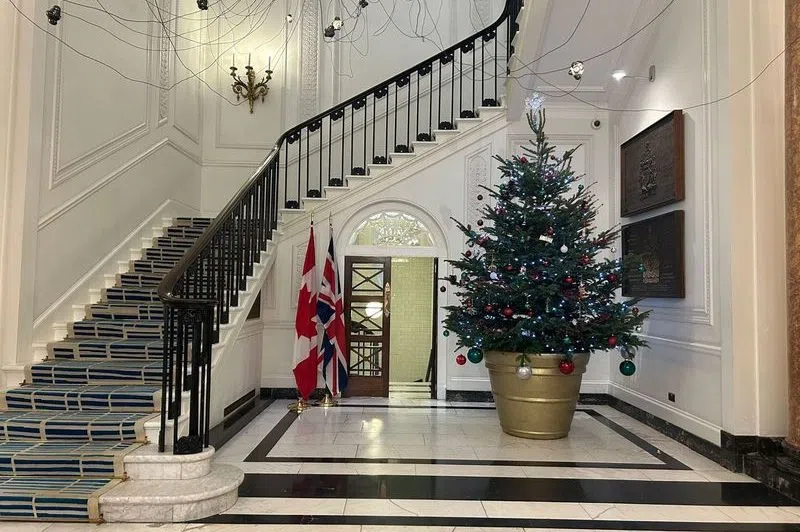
387	299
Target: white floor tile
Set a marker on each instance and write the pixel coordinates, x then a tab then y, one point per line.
759	514
655	512
413	507
534	510
287	506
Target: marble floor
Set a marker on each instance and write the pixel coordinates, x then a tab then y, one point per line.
377	465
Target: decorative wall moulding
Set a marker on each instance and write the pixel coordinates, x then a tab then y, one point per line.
658	243
652	166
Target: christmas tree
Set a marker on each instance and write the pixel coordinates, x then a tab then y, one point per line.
536	277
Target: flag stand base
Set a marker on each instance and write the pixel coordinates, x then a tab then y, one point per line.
299	407
328	401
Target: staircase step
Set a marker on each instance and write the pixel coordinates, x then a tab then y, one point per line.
123	311
146	463
106	349
401	158
185	231
173	242
193	221
465	124
376	170
140	279
443	135
60	459
489	112
421	146
133	372
152	266
165	501
121	329
355	181
312	204
130	295
106	398
335	192
164	254
52	498
72	426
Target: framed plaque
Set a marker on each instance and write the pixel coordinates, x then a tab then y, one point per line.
657	244
652	166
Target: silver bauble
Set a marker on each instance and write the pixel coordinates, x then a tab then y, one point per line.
627	352
524	372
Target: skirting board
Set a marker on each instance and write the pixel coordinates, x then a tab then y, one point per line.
61	311
673	416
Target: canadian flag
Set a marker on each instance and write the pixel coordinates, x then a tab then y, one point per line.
306	355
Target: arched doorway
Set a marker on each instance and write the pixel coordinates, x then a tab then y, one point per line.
390	272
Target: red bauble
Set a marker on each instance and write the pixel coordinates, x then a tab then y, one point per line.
488	308
612	278
585	260
568	280
508	312
479	222
509	268
523	160
461	360
468	253
566	367
612	341
549	231
635	311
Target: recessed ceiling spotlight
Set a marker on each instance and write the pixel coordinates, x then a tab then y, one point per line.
618	75
576	70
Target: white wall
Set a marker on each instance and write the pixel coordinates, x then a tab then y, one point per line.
93	154
721	350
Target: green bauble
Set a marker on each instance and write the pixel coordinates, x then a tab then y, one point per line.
446	333
475	355
627	368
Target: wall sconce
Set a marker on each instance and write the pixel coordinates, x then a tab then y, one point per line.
250	90
619	75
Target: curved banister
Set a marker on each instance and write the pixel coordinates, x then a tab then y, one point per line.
199	290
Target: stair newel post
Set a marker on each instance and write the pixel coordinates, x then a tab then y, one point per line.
208	342
166	376
192	443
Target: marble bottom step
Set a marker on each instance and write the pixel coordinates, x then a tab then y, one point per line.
173	501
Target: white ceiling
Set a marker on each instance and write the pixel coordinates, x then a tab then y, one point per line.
605	25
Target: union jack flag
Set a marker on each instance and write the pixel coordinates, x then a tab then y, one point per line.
331	315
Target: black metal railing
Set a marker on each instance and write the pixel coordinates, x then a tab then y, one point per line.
366	129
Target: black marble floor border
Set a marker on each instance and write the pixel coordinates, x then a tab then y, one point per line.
518	489
270	519
222	433
668	462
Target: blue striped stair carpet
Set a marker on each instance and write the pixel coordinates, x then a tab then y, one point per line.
65	431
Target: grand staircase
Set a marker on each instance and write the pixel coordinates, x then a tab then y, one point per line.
66	431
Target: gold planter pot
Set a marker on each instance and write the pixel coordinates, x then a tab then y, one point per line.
540	407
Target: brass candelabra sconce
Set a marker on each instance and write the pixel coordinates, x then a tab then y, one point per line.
248	88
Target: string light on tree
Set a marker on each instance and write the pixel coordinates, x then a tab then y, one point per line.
536	279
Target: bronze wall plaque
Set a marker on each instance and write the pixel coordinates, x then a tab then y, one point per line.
652	166
658	244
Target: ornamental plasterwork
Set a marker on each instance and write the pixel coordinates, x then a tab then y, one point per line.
392	229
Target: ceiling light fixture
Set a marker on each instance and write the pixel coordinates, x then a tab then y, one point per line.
619	75
576	70
337	23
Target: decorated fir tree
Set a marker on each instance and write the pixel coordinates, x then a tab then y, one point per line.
535	277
